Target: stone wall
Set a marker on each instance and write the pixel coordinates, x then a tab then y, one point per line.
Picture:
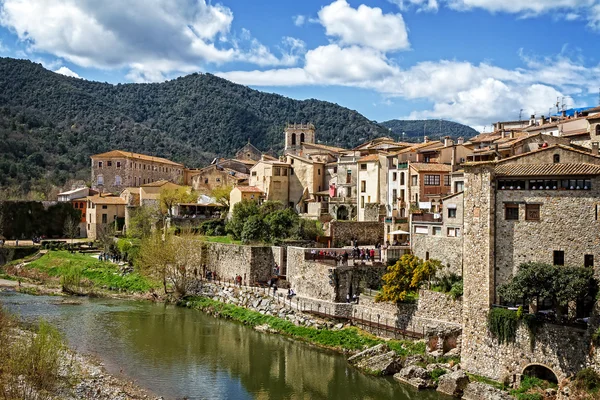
342	232
449	250
255	263
309	278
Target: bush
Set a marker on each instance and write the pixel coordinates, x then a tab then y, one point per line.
457	289
71	278
587	379
503	324
436	373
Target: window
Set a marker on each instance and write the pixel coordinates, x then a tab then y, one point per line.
144	181
394	195
459	186
431	180
511	185
575	184
362	201
556	158
99	164
206	181
363	166
302	137
276	171
363	186
291	171
76	205
349	191
117	180
104	218
291	160
118	164
598	130
452	213
144	166
426	256
109	163
318	171
402	178
349	176
559	257
402	195
369	199
511	212
394	176
588	259
253	173
421	230
104	207
446	180
218	179
414	179
335	170
437	231
100	180
532	212
454	232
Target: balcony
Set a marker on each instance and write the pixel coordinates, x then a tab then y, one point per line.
436	190
426	217
402	165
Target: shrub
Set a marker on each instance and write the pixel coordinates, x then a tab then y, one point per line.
587	379
457	289
71	277
436	373
503	324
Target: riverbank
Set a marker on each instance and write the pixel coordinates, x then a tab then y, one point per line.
37	364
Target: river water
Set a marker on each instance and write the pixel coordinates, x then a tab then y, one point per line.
177	352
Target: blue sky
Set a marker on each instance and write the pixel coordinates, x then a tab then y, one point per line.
472	61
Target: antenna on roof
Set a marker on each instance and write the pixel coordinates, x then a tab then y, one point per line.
520	114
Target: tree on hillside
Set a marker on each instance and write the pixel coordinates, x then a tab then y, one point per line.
71	228
221	195
406	276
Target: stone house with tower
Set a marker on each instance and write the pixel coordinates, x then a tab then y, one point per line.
296	135
542	206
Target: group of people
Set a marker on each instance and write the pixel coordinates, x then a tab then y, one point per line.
112	257
355	298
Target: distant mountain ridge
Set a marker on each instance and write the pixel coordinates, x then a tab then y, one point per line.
433	128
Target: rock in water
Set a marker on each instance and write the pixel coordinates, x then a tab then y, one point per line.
453	383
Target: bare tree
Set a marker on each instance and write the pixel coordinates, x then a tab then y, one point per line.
71	228
156	255
105	236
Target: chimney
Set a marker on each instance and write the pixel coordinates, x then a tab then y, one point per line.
532	120
503	133
595	148
460	140
426	139
453	159
496	151
512	134
542	120
447	141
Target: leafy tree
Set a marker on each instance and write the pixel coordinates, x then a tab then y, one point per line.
156	254
187	257
221	195
105	236
142	220
241	212
254	229
170	197
279	223
404	277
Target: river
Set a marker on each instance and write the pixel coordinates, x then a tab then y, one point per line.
181	353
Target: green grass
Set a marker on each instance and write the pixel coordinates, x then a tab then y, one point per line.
531	387
99	273
483	379
345	339
221	239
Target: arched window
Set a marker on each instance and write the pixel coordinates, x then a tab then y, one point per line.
401	178
293	139
302	137
556	158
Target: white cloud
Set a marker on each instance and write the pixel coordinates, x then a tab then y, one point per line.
66	71
422	5
299	20
365	26
519	6
151	38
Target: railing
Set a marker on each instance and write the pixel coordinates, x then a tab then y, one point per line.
328	310
341	257
402	165
436	190
550	317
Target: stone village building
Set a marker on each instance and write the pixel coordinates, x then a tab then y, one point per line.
540	206
104	211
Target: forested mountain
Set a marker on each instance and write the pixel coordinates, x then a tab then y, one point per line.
50	124
416	129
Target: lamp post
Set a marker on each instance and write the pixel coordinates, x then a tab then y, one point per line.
378	316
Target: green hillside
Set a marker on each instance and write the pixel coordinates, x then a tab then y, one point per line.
50	124
414	130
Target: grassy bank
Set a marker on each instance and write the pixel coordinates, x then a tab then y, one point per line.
347	339
88	271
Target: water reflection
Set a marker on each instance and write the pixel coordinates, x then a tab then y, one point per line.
178	352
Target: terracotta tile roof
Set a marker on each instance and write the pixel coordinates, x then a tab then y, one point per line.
418	146
370	157
249	189
127	154
592	110
431	167
99	199
555	146
324	147
160	183
578	132
547	169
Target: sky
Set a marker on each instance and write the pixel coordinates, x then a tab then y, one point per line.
471	61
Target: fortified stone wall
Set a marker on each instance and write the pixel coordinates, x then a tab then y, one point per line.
309	278
449	250
228	260
342	232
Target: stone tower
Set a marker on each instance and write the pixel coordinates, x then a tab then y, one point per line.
296	134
